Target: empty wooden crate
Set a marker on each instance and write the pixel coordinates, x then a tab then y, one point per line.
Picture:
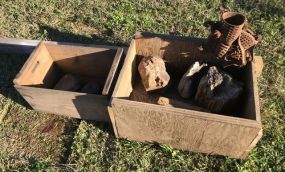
49	62
140	119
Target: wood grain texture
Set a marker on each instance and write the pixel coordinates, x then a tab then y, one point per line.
183	129
36	67
82	60
71	104
258	65
112	72
123	86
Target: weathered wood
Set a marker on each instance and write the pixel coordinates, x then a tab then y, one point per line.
114	69
181	128
49	62
258	65
127	75
36	67
71	104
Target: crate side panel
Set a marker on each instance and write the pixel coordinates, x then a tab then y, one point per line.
80	60
149	124
72	104
123	87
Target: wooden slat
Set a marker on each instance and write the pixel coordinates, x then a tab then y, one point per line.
71	104
83	60
111	76
123	86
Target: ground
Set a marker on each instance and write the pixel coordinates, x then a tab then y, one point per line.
34	141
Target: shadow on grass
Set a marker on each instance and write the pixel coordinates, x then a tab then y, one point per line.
10	65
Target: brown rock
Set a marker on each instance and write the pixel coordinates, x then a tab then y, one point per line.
218	91
190	80
164	101
153	73
68	82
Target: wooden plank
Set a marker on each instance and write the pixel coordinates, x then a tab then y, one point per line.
251	104
71	104
123	86
183	129
82	60
36	67
111	76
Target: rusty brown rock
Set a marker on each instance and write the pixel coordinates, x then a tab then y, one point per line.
190	80
164	101
218	91
153	73
68	82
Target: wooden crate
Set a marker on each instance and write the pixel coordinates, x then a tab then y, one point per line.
181	128
49	62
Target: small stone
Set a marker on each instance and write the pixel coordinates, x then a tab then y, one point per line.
218	91
153	73
190	80
68	82
92	87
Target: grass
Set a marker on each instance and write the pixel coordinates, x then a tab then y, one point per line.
33	141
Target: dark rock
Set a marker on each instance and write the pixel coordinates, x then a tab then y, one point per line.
190	80
68	82
92	87
218	91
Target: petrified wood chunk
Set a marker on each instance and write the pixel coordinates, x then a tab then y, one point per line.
92	87
218	91
68	82
189	81
153	73
164	101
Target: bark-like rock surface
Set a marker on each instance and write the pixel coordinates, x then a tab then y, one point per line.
153	73
92	87
218	91
68	82
164	101
190	80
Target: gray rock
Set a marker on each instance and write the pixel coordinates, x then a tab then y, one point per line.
189	81
218	91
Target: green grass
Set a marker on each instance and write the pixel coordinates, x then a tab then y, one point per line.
89	146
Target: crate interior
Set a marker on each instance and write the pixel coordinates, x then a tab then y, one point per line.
179	55
50	62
